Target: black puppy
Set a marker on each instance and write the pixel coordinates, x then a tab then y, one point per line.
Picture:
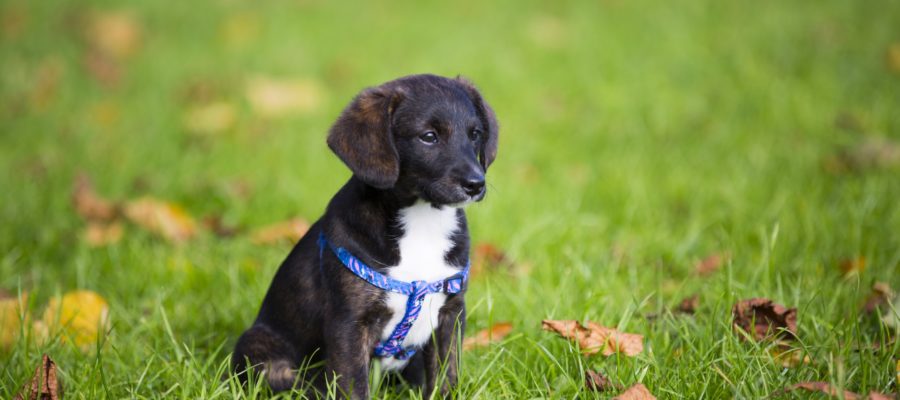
381	275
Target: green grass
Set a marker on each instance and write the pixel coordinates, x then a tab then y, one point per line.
637	137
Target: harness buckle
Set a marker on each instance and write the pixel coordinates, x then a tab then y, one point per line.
454	284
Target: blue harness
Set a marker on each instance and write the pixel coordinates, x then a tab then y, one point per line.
416	290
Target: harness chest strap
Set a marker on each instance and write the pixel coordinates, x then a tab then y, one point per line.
415	290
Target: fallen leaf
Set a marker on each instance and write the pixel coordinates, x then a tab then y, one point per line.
485	337
271	98
879	396
289	231
88	204
162	218
215	225
853	265
11	314
710	264
689	305
881	295
636	392
762	319
486	256
81	315
872	152
44	385
821	387
595	381
595	338
210	118
892	57
789	358
100	234
116	34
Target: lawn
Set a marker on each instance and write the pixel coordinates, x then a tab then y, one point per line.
637	139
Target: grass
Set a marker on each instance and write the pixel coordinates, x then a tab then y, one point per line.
637	137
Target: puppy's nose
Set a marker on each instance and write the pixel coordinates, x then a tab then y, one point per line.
474	185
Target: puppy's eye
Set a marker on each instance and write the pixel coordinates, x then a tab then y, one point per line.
475	134
428	137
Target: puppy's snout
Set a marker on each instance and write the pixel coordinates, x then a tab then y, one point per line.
474	185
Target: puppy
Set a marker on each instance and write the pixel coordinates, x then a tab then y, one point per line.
381	276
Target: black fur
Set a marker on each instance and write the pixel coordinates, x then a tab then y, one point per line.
321	312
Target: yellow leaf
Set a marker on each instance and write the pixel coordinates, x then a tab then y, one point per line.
210	118
276	98
80	315
287	231
11	317
98	234
165	219
116	34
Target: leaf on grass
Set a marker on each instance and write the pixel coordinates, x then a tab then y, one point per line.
98	234
595	338
11	317
162	218
88	204
485	337
116	34
879	396
215	224
892	58
789	358
271	98
852	266
762	318
289	231
710	264
872	153
636	392
821	387
44	385
210	118
82	316
596	381
488	256
689	305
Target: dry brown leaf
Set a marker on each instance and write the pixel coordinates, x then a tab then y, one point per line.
98	234
636	392
116	34
215	224
485	337
872	152
289	231
821	387
789	358
165	219
487	256
710	264
595	338
762	319
892	57
595	381
271	98
210	118
82	316
689	305
88	204
44	385
853	265
879	396
11	317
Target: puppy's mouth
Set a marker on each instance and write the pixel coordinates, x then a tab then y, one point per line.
453	196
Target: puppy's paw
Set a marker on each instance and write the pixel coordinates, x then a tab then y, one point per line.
280	375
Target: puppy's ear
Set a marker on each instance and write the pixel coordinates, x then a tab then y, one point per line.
362	138
488	152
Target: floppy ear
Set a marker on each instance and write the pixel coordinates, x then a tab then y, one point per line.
361	137
488	152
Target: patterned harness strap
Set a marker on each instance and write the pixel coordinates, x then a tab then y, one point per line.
415	290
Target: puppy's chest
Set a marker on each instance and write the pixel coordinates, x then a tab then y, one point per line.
427	237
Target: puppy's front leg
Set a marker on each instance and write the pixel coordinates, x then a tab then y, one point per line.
442	353
349	349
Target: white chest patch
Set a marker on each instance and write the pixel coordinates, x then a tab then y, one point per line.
425	242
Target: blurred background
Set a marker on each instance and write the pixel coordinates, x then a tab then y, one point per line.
164	155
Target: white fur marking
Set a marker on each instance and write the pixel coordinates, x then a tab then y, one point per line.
425	242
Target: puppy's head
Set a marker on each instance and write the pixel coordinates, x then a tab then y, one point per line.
425	135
